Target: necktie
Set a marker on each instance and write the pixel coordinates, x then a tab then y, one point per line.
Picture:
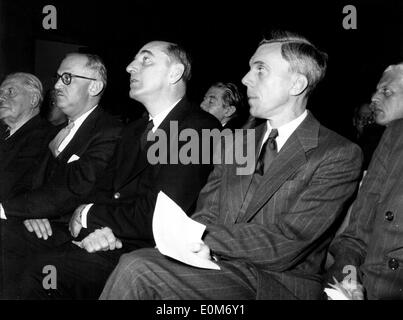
266	156
55	143
143	138
268	153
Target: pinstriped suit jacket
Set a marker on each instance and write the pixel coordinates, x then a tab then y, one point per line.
374	236
289	222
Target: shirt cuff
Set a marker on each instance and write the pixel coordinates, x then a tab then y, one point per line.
84	214
2	213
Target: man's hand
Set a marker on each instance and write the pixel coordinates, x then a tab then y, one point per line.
201	249
101	239
40	226
75	221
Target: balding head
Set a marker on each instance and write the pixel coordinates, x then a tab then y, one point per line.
387	101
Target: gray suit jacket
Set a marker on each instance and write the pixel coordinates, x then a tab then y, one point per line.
373	239
287	226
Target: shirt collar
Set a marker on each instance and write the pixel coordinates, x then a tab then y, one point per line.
157	120
80	119
286	130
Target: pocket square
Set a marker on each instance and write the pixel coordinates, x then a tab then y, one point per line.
74	157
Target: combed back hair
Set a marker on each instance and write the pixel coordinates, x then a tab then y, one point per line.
96	64
231	96
178	54
30	82
302	55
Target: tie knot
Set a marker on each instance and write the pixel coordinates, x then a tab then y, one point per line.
273	134
70	125
271	140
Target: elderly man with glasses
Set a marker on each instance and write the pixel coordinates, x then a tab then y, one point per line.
77	157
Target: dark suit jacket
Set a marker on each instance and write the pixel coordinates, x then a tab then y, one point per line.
285	230
58	185
373	239
127	204
20	155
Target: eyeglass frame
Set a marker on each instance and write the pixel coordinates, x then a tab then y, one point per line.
71	75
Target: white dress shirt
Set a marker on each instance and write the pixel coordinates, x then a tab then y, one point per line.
77	124
285	131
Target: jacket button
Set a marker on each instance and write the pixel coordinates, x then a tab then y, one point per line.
393	264
389	216
116	195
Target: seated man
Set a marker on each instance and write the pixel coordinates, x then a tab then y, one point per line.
369	251
224	101
124	201
269	230
25	136
75	158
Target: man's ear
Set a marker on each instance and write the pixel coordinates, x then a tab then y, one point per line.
300	83
34	100
229	111
96	87
176	73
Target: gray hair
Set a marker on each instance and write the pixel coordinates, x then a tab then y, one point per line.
302	55
30	82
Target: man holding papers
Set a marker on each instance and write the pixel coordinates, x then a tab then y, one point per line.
268	231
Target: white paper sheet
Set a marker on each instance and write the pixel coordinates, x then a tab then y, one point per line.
174	233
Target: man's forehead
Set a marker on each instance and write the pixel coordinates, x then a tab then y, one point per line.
267	52
12	81
74	62
392	77
154	48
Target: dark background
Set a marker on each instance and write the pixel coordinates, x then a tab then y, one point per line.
221	37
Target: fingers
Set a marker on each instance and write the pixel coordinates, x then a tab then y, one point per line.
101	239
46	224
28	225
41	227
201	249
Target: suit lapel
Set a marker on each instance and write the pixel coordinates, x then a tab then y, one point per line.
291	157
238	185
130	158
81	136
140	163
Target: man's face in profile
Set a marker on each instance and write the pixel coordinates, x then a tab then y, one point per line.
268	81
387	101
15	101
149	71
213	103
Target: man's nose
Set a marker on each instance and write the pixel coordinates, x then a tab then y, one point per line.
246	80
58	83
132	67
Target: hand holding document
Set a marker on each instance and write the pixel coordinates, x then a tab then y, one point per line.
175	233
345	290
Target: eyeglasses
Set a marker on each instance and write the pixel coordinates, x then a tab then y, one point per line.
66	77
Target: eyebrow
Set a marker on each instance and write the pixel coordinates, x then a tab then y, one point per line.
258	62
144	51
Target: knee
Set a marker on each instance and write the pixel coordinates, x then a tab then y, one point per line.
134	262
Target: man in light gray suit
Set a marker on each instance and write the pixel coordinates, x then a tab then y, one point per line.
268	231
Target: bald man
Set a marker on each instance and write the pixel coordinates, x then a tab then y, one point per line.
368	254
